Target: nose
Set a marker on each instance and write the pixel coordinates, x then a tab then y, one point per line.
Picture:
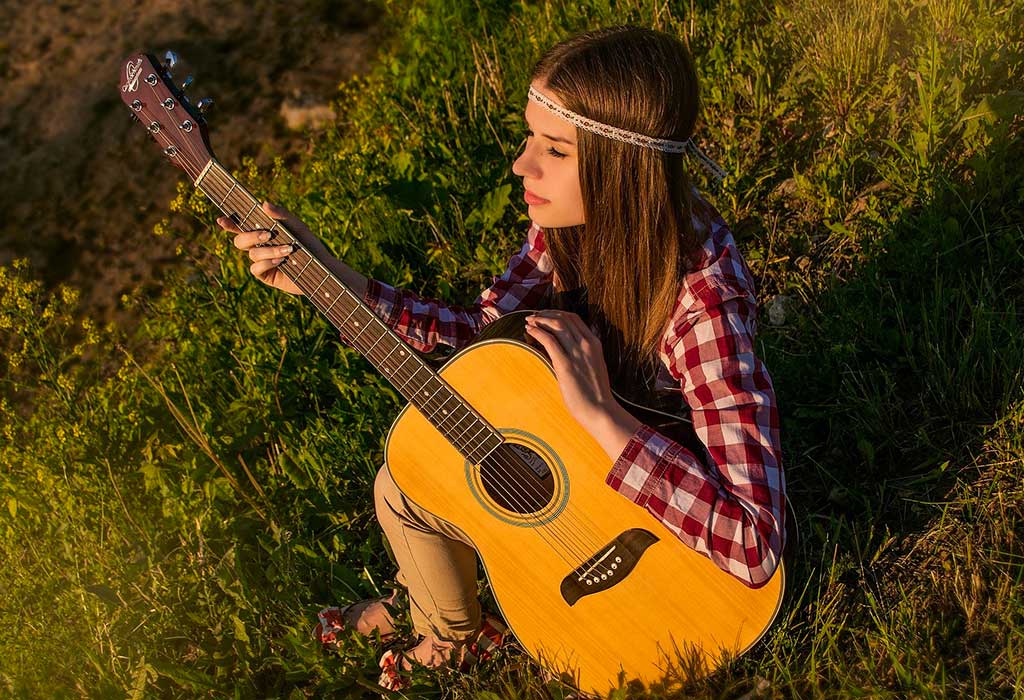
526	165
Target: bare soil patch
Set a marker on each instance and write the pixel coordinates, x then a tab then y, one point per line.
83	185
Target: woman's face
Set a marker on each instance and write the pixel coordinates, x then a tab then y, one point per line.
549	167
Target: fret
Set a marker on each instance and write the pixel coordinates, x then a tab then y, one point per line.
444	403
452	414
202	175
467	442
223	201
483	429
328	309
480	461
446	415
443	407
350	315
410	377
398	369
423	386
388	356
476	421
255	204
360	333
313	293
431	398
379	338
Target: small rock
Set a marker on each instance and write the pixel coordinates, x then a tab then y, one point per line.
778	308
299	115
786	188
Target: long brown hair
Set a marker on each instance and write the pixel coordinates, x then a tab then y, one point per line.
629	258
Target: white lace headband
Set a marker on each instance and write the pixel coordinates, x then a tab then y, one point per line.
613	132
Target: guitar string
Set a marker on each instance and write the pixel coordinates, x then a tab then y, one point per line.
221	200
496	457
219	184
218	189
194	174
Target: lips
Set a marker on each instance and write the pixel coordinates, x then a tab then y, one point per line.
531	198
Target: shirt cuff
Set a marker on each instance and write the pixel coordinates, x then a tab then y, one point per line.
635	471
384	300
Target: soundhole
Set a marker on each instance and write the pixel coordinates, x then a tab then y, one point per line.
517	478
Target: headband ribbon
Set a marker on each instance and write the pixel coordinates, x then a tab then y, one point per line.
614	132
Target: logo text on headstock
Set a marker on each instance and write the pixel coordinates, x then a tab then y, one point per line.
131	71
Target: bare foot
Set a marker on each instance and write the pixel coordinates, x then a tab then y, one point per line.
431	652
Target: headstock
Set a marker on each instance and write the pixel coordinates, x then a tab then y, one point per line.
172	120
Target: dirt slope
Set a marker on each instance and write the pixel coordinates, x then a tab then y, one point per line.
82	185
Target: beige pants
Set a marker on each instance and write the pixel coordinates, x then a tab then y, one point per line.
435	563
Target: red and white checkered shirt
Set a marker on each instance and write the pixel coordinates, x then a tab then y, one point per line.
731	509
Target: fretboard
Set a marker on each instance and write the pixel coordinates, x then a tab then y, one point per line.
414	379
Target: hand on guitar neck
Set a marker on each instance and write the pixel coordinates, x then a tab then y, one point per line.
267	258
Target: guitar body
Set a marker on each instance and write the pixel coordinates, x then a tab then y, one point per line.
590	583
633	621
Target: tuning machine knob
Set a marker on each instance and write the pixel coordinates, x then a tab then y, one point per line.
186	83
204	105
170	60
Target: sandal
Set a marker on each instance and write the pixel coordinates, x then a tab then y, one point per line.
488	640
332	621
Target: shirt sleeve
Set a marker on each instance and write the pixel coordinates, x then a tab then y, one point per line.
730	509
424	322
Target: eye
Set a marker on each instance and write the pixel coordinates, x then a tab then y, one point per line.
551	151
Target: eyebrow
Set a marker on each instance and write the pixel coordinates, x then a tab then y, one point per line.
557	139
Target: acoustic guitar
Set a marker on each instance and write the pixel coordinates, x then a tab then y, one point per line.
594	589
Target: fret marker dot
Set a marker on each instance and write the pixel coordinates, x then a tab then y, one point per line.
401	352
355	323
327	294
445	411
295	262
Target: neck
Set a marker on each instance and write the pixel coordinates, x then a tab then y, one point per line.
464	428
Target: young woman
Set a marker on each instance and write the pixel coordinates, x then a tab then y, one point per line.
618	235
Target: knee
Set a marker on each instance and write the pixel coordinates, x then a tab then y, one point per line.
384	490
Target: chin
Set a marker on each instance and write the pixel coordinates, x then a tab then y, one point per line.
549	220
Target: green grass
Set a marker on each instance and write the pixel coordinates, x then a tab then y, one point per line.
179	498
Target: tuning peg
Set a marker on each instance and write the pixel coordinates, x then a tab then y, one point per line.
186	83
170	59
205	104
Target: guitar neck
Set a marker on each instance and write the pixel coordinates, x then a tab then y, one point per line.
421	386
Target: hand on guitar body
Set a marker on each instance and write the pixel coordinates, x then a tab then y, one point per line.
266	259
578	361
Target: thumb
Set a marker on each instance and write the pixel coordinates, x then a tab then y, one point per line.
277	213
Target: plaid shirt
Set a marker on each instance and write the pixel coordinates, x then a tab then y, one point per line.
727	504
